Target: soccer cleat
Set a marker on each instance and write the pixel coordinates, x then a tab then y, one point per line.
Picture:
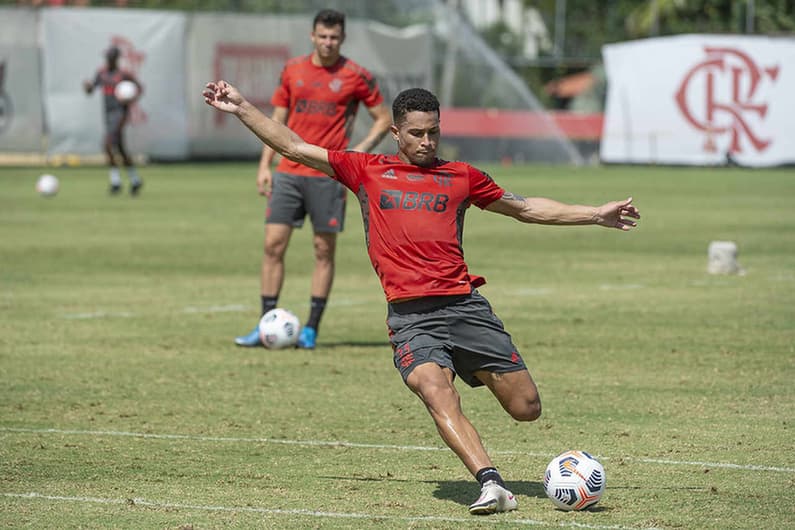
135	187
493	498
114	189
307	339
250	340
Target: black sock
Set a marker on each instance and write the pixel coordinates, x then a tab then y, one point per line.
268	303
489	473
316	308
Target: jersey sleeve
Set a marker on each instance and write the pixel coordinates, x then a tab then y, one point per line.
348	166
367	90
281	96
482	188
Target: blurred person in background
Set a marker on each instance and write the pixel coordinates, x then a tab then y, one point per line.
318	97
117	115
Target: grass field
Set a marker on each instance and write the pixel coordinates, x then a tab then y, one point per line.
124	403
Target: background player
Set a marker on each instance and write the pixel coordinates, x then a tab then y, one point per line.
116	117
318	96
440	326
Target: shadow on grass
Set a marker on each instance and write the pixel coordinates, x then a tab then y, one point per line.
466	491
459	491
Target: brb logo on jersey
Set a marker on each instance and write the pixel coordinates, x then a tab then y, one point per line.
413	200
723	95
311	106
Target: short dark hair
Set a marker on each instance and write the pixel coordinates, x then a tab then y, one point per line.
329	18
413	99
112	53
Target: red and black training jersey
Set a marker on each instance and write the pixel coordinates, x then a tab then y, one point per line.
107	81
414	219
322	103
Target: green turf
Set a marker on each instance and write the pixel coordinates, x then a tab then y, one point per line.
124	403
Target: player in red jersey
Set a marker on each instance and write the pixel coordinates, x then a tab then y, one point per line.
440	327
116	115
318	96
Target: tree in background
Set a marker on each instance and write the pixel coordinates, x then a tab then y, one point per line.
586	25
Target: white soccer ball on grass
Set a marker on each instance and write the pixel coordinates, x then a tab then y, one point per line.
47	185
574	480
279	328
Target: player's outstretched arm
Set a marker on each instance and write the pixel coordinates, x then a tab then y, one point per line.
226	98
382	119
614	214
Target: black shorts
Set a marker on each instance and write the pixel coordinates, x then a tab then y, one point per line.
457	332
294	197
114	121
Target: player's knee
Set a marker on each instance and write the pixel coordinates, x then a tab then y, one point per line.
324	257
274	251
324	251
526	409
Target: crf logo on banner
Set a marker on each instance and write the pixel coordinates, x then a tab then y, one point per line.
721	95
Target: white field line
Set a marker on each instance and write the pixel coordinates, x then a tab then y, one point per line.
230	308
533	291
217	309
309	513
98	314
356	445
187	310
620	286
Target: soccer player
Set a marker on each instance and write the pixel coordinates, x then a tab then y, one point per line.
440	327
318	96
116	116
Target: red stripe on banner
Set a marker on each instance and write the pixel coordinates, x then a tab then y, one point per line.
498	123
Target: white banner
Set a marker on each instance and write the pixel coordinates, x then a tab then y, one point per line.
701	100
249	51
21	116
152	45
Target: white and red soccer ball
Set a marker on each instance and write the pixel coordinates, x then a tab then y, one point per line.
279	328
574	480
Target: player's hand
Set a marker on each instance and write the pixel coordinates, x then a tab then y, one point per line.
88	86
265	182
223	96
618	214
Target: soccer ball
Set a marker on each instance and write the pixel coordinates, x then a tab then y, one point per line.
574	480
47	185
125	91
278	328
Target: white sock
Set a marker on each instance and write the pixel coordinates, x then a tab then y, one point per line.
133	174
115	176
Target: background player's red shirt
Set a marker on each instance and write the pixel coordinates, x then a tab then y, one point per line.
108	80
414	219
322	103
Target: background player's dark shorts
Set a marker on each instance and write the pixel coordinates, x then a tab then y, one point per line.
294	196
114	119
458	332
